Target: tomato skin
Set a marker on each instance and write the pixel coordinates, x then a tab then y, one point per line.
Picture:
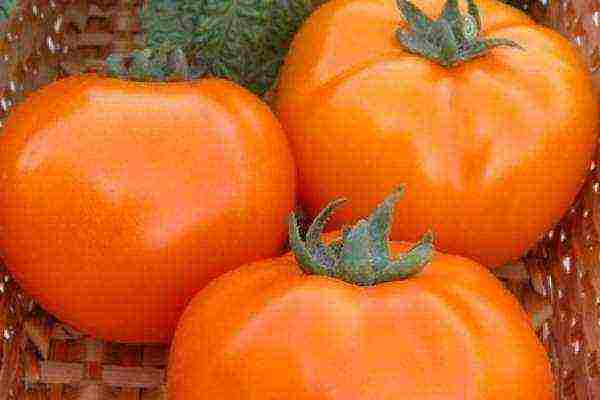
492	152
267	329
120	200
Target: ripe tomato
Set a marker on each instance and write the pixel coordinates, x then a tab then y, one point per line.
120	200
268	330
492	150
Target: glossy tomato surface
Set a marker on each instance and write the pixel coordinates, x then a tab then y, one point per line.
268	331
119	200
492	151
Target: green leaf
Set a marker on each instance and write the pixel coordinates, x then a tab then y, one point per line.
115	66
336	247
481	47
470	28
474	12
410	263
379	228
304	258
243	40
356	255
313	235
6	9
416	19
443	37
451	14
497	42
415	44
314	244
178	63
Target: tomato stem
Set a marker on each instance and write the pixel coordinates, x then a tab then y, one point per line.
451	39
361	256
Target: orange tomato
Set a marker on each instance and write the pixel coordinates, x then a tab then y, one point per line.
492	150
269	331
120	200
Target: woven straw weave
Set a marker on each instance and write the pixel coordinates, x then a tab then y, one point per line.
558	282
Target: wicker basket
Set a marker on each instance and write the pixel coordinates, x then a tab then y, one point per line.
40	358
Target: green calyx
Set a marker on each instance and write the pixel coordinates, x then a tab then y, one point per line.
152	66
361	256
451	39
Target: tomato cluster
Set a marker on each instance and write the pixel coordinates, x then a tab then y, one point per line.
121	201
